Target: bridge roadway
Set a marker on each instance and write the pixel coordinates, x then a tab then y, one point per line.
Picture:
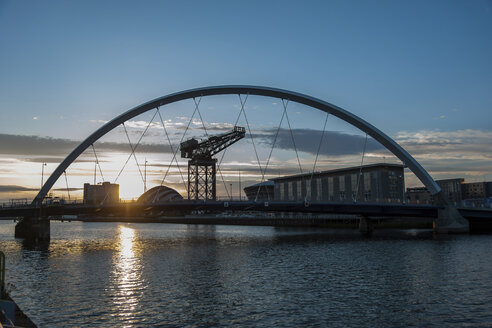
138	209
480	220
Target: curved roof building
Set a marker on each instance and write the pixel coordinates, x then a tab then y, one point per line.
160	194
263	190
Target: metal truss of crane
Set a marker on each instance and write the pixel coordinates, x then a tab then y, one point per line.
202	166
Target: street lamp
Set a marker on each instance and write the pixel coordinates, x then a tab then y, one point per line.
42	173
240	196
145	176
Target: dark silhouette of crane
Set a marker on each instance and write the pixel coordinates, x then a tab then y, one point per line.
201	166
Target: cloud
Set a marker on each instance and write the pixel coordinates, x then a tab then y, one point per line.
446	154
99	121
69	189
122	147
15	188
50	148
56	160
35	118
33	145
143	125
307	140
460	144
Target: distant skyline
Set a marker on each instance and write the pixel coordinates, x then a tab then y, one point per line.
420	71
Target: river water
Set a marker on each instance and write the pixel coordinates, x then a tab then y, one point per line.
166	275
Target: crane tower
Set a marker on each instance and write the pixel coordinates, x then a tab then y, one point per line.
201	166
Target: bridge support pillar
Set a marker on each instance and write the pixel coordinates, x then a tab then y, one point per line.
365	226
33	229
449	219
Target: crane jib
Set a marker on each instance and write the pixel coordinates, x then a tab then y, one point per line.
201	166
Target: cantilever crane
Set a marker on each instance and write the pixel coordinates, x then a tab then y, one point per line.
201	166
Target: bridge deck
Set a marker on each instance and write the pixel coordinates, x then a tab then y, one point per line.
137	209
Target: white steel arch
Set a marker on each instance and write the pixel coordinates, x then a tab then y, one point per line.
341	113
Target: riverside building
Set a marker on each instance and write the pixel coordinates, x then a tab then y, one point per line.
456	191
374	183
103	193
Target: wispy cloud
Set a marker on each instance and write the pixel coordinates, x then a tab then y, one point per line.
143	125
460	153
99	121
472	144
180	123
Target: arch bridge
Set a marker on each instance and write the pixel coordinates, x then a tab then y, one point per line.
449	218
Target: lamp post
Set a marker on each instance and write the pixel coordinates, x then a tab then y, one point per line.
145	176
42	173
230	184
240	196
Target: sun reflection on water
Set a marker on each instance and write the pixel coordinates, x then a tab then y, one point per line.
127	285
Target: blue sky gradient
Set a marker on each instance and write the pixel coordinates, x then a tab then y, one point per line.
404	66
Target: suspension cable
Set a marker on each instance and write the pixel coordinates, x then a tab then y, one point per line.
97	162
316	159
176	151
133	151
135	148
360	170
66	181
224	151
172	149
291	133
269	156
251	135
200	115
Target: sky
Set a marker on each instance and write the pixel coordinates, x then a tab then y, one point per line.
420	71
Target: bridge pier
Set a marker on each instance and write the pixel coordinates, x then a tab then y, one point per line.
365	226
449	219
33	229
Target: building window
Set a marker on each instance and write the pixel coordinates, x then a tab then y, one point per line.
353	185
308	189
282	191
353	180
319	195
341	183
299	190
290	192
367	181
330	188
393	185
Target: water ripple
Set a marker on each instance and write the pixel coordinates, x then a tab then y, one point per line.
136	275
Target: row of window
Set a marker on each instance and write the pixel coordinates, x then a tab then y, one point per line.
317	192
